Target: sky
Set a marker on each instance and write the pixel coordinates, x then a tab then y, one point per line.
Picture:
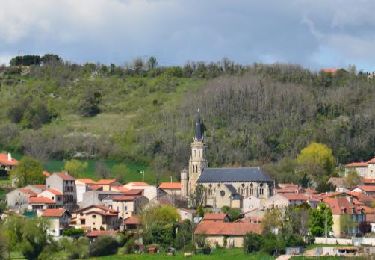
314	33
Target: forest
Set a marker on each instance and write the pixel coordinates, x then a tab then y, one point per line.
259	114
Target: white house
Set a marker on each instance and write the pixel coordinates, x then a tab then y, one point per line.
59	220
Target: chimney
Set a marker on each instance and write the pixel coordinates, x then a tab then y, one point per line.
9	157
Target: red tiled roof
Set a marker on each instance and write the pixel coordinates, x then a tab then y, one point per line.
133	192
65	176
133	220
138	183
39	186
119	188
227	229
368	181
98	233
40	200
357	164
53	213
4	160
170	185
367	188
95	187
28	192
123	198
54	192
372	161
46	174
215	216
290	196
105	181
86	181
338	205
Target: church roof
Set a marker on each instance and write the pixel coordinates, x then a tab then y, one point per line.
242	174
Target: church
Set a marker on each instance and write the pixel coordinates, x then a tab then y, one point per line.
221	186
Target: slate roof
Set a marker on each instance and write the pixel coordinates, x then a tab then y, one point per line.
231	188
242	174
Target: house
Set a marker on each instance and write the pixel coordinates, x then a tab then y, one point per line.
132	224
53	195
40	203
126	205
149	191
216	217
7	163
18	199
226	234
95	217
288	188
364	169
186	214
95	197
341	207
106	184
290	199
59	220
65	184
82	186
365	189
276	201
171	188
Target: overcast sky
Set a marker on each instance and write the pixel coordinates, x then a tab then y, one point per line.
314	33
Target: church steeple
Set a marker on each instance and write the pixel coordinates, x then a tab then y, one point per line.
199	128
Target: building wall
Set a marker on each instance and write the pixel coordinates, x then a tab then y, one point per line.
17	200
276	201
81	188
336	227
251	203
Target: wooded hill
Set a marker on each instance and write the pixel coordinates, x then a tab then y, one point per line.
254	115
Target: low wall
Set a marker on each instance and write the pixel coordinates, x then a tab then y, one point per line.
357	241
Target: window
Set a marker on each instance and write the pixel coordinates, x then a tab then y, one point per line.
195	153
94	216
222	193
83	221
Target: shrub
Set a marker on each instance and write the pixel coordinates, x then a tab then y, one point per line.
72	232
103	246
252	243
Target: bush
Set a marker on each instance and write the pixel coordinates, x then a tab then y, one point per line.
103	246
72	232
252	243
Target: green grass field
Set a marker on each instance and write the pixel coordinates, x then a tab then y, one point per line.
224	254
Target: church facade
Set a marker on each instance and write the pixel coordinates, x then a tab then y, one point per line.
221	186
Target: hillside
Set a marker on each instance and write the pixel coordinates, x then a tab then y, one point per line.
253	115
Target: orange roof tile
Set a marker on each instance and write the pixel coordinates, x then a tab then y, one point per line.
40	200
133	192
290	196
215	216
372	161
228	229
368	181
119	188
54	192
39	186
329	70
28	192
106	181
65	176
138	183
170	185
86	181
53	213
339	206
123	198
133	220
47	174
367	188
357	164
95	187
4	160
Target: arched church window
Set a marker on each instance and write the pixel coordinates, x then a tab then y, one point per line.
222	193
261	189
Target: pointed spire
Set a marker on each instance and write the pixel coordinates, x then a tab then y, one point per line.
198	127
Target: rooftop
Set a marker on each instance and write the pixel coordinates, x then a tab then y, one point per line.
227	229
242	174
53	213
215	216
6	159
40	200
65	176
170	185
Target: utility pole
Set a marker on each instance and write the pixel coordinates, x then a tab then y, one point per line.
325	224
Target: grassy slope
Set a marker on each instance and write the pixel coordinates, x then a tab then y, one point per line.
127	106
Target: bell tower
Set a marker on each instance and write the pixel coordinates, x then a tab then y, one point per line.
197	160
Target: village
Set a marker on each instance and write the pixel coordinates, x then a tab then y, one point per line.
205	197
